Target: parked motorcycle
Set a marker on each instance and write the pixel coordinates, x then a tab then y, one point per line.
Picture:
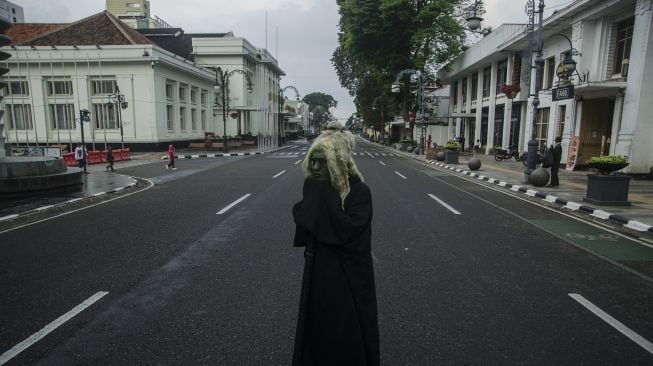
503	154
524	158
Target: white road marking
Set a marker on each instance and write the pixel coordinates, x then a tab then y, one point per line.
297	162
399	174
20	347
382	163
43	208
233	204
278	174
8	217
444	204
623	329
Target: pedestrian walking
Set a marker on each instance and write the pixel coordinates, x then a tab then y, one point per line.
80	156
477	146
110	159
555	166
428	142
171	157
338	322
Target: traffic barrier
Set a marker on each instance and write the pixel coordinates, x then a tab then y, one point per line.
69	159
95	157
117	155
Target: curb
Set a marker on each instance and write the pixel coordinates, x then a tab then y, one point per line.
219	155
62	204
611	218
614	219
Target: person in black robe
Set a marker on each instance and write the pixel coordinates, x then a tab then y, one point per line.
335	216
555	167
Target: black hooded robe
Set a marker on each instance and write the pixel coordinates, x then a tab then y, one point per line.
342	326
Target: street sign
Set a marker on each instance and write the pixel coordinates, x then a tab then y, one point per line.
563	92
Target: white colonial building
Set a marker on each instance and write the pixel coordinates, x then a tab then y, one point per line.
167	78
613	94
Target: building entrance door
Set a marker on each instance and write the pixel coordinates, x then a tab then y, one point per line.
596	123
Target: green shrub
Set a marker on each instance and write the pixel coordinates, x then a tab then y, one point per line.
452	145
609	159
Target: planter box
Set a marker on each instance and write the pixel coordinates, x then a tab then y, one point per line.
451	157
607	190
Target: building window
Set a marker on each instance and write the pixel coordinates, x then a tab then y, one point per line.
550	71
133	5
60	88
19	116
15	20
182	93
203	97
562	116
464	91
203	120
487	75
170	115
100	87
474	85
454	93
13	10
498	125
623	44
542	127
104	115
502	75
170	91
62	116
182	118
193	119
193	96
18	88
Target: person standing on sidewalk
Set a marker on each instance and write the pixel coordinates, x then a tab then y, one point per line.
80	156
555	167
110	159
171	157
338	324
428	142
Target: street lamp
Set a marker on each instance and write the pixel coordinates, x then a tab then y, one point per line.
121	104
84	116
222	85
396	86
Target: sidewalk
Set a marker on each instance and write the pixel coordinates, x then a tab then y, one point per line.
635	219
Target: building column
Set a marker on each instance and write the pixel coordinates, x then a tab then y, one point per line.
479	107
492	105
635	130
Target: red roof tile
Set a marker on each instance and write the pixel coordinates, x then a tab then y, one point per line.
21	32
99	29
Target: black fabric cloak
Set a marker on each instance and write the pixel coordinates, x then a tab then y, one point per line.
342	325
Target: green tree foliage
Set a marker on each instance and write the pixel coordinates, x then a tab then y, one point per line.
379	38
320	105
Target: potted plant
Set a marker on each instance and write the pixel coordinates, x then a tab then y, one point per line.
451	156
510	90
607	188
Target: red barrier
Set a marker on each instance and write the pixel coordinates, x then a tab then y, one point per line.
69	159
126	154
95	157
117	155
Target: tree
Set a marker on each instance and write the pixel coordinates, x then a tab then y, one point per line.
379	38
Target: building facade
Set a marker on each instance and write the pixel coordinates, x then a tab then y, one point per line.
58	71
11	12
612	45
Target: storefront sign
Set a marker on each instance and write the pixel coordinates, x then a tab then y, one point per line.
564	92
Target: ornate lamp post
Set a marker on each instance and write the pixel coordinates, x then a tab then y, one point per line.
420	99
222	85
121	104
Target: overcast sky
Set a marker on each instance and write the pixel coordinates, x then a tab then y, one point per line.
302	34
